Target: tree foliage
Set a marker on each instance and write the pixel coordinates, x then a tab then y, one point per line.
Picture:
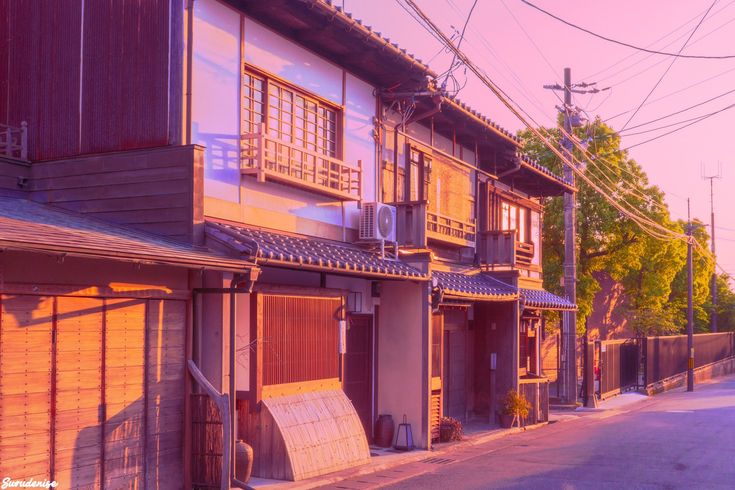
651	270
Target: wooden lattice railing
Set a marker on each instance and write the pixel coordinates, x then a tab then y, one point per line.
451	228
14	141
502	248
270	158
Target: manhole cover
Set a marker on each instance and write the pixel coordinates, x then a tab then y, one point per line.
438	460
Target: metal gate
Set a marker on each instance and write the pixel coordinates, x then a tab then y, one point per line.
617	366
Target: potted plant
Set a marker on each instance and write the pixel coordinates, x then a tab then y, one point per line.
515	409
450	429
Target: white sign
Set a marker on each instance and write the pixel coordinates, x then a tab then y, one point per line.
342	337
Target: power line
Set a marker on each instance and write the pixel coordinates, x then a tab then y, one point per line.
674	92
670	65
699	104
707	116
656	229
696	118
647	56
663	53
653	43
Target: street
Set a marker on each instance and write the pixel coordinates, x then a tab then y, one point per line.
672	440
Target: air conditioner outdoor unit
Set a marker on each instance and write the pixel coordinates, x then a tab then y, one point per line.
378	222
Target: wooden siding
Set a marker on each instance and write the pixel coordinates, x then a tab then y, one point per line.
92	390
112	59
125	81
158	191
11	171
43	59
300	339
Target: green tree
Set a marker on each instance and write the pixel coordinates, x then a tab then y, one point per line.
606	239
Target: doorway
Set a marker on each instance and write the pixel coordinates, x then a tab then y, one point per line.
455	363
358	372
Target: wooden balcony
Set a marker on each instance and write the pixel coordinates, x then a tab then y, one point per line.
447	229
501	248
272	159
14	141
415	224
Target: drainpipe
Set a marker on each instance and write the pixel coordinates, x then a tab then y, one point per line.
189	58
511	171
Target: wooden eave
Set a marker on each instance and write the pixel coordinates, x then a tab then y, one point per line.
330	32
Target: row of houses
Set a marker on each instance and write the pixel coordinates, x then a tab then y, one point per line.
250	220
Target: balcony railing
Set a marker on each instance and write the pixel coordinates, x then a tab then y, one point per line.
415	224
269	158
449	229
14	141
502	249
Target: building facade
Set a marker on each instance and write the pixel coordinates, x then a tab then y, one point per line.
383	239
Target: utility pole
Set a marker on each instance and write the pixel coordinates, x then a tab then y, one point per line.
568	366
713	288
690	308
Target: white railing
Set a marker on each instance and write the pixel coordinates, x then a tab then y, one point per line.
270	158
14	141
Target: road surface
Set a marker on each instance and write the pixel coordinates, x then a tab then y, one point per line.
672	440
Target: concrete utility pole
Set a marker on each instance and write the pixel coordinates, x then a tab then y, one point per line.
713	287
570	256
568	366
690	308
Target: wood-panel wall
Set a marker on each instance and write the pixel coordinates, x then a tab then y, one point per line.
92	390
158	191
89	76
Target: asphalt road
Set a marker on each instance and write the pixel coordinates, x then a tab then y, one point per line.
672	440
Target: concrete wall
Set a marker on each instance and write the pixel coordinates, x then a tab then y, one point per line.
403	356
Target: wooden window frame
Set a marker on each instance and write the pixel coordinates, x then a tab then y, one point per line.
321	104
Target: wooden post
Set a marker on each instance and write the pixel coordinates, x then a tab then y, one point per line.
24	140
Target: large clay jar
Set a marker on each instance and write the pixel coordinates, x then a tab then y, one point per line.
384	428
243	461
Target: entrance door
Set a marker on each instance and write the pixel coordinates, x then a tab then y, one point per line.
455	364
358	379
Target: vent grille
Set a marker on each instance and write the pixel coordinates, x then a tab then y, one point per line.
367	221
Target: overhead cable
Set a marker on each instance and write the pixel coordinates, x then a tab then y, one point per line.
600	36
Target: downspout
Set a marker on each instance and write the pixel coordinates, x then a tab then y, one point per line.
511	171
237	279
189	58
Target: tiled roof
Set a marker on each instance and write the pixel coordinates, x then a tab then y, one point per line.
477	286
484	287
539	298
338	10
270	247
535	165
34	227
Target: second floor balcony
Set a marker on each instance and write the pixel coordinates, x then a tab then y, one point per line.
502	249
270	158
417	223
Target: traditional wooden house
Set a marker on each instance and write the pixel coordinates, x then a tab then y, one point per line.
394	233
465	195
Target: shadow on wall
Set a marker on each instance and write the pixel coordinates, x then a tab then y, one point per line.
118	386
221	163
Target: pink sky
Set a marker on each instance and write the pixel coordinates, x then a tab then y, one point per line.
496	42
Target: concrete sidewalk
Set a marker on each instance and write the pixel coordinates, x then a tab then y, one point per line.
475	435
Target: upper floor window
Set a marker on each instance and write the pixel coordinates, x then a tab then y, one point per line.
290	115
293	137
514	217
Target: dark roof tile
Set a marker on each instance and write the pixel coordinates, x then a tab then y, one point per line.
295	250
